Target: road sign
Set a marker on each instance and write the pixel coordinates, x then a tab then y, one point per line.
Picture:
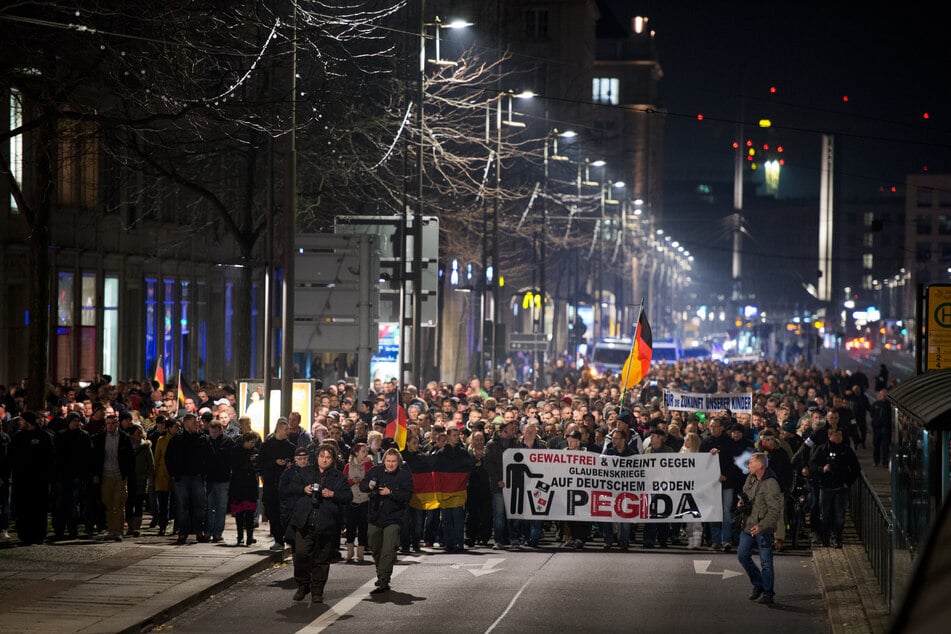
528	342
938	327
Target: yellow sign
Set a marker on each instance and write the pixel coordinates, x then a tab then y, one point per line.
938	328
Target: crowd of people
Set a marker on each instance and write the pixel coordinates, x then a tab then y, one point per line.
105	456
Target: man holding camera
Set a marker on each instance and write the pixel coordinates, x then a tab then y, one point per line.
836	467
316	497
390	487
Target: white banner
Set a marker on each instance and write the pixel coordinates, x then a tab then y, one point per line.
691	402
585	486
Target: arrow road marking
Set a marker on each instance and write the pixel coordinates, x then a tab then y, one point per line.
700	567
486	568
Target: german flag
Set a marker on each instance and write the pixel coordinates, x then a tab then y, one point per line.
441	480
639	361
396	423
160	374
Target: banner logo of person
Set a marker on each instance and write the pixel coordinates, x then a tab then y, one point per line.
578	486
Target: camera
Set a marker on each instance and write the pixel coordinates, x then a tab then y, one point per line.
372	484
315	491
315	488
743	506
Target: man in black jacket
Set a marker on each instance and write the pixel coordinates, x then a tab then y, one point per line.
217	479
837	468
31	462
316	497
187	459
113	465
73	462
276	455
390	487
721	445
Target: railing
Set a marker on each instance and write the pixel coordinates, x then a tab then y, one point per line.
875	528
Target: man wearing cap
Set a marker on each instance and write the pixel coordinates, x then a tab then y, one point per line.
187	457
218	479
73	463
31	462
315	497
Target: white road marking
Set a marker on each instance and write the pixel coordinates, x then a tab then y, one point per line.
486	568
343	606
509	606
700	567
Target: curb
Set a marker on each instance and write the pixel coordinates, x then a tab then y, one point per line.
164	607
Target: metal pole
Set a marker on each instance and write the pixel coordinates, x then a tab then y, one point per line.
416	370
290	231
496	272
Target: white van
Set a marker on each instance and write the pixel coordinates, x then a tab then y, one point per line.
666	351
609	355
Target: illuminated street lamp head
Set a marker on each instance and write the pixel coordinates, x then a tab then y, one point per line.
598	163
567	134
457	24
525	94
619	184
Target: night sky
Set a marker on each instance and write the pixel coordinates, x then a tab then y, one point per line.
890	59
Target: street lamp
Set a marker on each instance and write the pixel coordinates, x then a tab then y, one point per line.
497	279
416	310
542	253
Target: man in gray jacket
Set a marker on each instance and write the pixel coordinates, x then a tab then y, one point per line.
764	501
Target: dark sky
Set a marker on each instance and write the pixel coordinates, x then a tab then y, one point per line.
890	59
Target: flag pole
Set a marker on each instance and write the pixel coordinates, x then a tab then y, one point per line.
637	324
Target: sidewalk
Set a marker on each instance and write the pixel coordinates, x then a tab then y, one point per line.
851	591
98	586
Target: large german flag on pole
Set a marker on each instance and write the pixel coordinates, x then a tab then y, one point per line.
639	361
396	423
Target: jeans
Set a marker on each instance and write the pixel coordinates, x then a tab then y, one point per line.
217	500
499	523
190	501
621	529
760	578
453	527
722	533
68	507
833	503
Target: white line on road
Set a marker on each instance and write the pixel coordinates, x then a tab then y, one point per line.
509	606
343	606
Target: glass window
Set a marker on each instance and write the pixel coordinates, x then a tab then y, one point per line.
923	252
944	225
201	317
536	24
229	323
151	324
110	326
168	324
605	90
254	327
64	325
923	225
924	195
945	253
87	346
185	339
16	144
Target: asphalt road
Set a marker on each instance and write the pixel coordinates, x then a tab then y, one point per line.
526	591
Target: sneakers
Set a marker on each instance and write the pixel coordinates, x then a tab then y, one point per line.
718	547
756	593
765	600
380	589
302	592
727	548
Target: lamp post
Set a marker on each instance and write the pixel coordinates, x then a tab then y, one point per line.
496	273
542	251
416	270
